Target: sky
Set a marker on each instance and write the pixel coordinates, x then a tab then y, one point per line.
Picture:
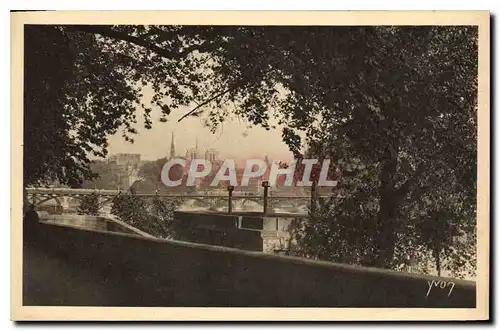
233	138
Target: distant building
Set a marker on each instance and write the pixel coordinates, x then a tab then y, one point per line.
172	147
126	168
211	155
192	153
124	159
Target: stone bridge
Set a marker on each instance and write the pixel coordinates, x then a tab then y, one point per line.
67	200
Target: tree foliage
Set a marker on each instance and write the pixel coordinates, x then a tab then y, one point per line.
403	131
89	205
154	217
150	178
75	95
106	176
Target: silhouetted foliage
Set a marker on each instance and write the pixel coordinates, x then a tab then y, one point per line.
89	205
154	217
75	96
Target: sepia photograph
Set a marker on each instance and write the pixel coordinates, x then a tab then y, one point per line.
167	162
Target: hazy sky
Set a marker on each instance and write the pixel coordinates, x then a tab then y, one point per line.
233	139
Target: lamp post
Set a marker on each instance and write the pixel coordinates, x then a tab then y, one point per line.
230	190
265	185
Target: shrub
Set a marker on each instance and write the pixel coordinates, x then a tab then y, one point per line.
89	205
154	217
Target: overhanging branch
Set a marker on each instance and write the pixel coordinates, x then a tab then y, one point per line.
218	95
106	31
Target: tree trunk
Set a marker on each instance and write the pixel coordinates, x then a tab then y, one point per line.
437	256
438	264
313	197
389	203
386	236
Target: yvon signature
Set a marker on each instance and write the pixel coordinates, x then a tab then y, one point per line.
442	285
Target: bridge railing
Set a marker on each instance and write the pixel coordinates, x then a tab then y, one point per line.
70	191
63	197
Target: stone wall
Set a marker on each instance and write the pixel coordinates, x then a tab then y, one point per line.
139	271
89	222
249	231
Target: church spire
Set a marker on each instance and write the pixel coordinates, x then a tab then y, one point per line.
172	147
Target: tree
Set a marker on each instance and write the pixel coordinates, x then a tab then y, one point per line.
400	120
89	205
80	87
154	217
446	227
150	177
106	176
316	150
73	99
162	212
408	117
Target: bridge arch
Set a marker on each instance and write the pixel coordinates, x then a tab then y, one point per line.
46	199
202	201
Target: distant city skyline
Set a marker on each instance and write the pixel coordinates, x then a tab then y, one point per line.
233	139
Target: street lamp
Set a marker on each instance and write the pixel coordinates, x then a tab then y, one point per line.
265	185
230	190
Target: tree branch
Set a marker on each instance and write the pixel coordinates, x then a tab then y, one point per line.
105	31
206	102
405	187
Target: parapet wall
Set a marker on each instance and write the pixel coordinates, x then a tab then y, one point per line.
138	271
248	231
109	223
